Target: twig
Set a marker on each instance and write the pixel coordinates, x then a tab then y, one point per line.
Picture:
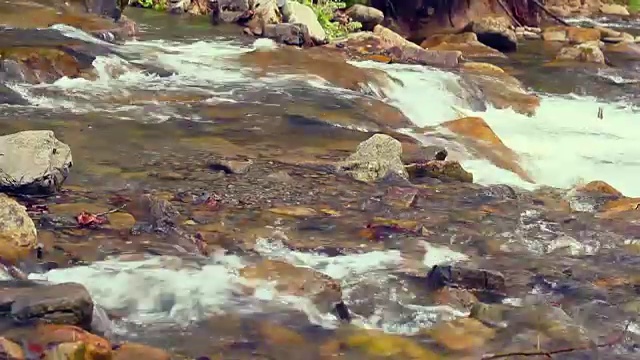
555	17
548	354
114	210
513	18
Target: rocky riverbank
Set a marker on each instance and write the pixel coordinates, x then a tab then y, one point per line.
282	200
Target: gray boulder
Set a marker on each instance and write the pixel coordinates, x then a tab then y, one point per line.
368	16
374	159
33	162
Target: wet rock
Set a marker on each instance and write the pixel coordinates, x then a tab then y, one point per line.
466	43
289	34
588	52
302	14
289	279
491	314
568	246
376	343
496	32
401	197
461	334
374	158
403	51
614	9
620	207
67	351
10	97
233	10
574	35
18	234
482	139
265	12
276	335
499	88
12	350
59	304
72	341
461	299
134	351
599	187
230	166
368	16
294	211
158	212
33	162
467	278
442	170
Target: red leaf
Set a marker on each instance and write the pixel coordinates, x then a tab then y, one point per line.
88	220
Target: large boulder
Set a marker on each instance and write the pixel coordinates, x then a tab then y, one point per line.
588	52
574	35
375	158
288	34
18	234
33	162
303	14
614	9
496	32
467	43
68	303
368	16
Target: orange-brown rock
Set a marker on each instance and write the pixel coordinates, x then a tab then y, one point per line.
461	334
385	42
499	88
574	35
314	62
467	43
134	351
477	135
599	187
621	207
42	13
13	351
294	280
97	348
43	64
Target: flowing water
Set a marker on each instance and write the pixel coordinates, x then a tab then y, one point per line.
204	96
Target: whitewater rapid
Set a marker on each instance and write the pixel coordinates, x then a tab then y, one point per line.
563	144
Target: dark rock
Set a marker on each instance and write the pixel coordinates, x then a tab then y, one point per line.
465	277
343	311
59	304
417	55
10	97
230	166
442	170
496	32
368	16
289	34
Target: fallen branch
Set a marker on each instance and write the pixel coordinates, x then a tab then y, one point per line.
548	354
506	10
554	16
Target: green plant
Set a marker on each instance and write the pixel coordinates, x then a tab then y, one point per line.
324	10
159	5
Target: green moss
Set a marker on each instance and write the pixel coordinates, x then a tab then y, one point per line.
324	10
159	5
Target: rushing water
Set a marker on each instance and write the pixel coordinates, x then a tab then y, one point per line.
562	144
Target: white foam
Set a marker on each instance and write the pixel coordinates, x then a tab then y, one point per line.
562	144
